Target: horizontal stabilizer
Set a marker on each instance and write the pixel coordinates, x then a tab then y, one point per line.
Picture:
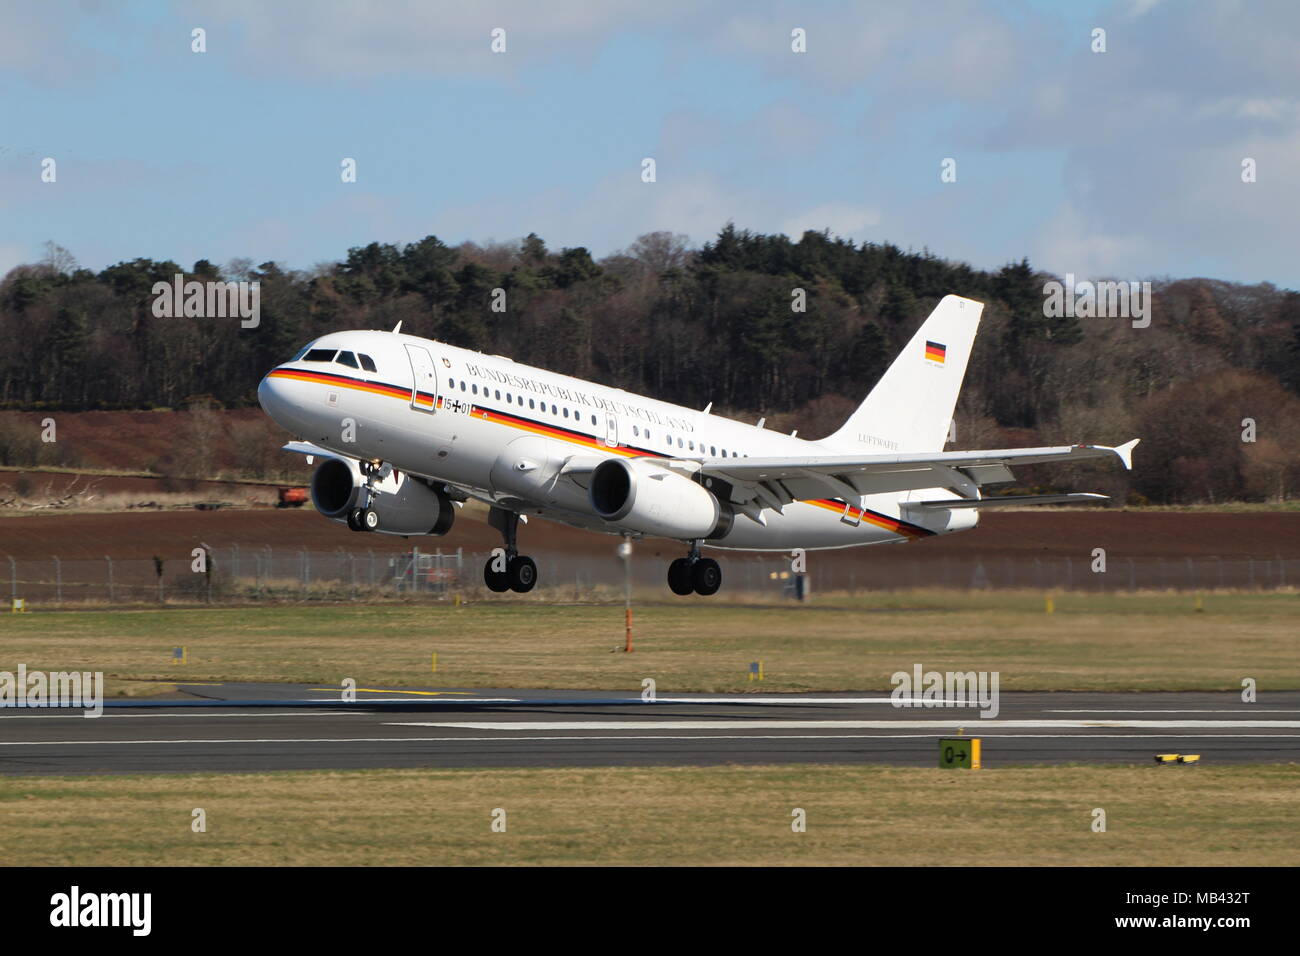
1003	501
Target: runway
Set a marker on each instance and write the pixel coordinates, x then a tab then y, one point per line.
257	727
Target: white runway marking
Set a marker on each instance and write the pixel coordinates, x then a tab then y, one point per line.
171	714
674	737
1238	710
976	725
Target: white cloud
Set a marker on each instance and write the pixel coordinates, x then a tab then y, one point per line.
1073	241
842	219
956	49
442	37
14	254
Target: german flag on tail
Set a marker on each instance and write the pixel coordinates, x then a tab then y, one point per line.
936	352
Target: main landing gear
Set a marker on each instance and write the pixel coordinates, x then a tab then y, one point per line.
363	517
508	570
694	574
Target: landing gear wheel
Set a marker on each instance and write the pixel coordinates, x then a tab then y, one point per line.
679	577
497	581
706	576
370	520
354	519
522	572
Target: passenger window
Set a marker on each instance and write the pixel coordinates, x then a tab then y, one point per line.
566	413
319	355
713	451
593	419
367	363
636	431
462	385
498	394
679	443
530	403
476	389
509	399
554	410
451	384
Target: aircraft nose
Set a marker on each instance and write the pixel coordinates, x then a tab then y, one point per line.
271	396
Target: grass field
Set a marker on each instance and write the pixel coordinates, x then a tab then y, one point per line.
861	815
1091	642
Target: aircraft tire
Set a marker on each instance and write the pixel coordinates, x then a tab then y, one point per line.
522	573
679	577
706	576
498	581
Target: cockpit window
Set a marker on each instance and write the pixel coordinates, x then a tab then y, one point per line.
348	359
367	363
301	352
319	355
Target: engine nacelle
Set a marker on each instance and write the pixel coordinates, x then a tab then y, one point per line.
656	501
405	505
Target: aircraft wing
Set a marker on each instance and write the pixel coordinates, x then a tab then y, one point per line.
775	482
310	450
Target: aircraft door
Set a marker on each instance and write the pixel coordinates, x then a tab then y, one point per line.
424	394
611	430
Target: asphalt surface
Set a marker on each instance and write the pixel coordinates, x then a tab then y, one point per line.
256	727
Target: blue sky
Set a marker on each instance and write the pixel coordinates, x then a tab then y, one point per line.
1125	163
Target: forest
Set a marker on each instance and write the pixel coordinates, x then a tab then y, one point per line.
1210	386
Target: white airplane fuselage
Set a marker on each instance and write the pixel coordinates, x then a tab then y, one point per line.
504	433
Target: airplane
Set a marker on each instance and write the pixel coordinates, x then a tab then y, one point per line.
410	429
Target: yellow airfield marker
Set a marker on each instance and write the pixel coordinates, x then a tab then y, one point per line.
412	693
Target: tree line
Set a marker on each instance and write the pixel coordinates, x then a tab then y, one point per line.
794	330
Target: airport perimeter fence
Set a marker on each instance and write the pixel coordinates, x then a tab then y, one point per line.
283	574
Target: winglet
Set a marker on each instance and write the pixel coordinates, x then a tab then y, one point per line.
1125	452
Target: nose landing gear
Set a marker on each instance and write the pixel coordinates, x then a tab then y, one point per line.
694	574
363	517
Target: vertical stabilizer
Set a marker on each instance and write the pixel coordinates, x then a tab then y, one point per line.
911	406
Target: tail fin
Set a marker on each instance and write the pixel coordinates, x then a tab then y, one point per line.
912	404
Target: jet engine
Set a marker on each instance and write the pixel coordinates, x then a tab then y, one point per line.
656	501
405	504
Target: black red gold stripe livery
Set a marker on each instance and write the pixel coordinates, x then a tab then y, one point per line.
894	525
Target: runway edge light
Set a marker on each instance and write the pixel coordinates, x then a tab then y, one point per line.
959	753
